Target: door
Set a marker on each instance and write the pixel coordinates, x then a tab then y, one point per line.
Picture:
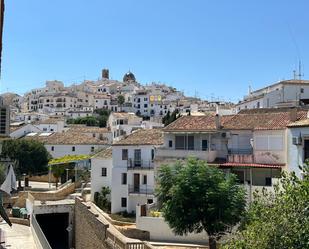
137	158
204	145
136	182
306	149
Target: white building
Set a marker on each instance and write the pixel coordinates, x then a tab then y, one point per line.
101	171
252	145
68	143
122	123
133	179
286	93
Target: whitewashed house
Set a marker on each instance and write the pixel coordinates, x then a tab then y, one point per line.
122	123
133	179
101	171
50	125
68	143
253	144
298	145
286	93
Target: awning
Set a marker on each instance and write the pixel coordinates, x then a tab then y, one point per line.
252	165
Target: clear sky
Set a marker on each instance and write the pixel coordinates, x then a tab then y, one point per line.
208	47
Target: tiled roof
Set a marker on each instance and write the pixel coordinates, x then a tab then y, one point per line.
104	154
193	123
49	121
143	137
252	165
123	114
72	138
87	129
261	121
247	121
300	123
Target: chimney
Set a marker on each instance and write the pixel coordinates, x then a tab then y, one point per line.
105	73
293	114
218	121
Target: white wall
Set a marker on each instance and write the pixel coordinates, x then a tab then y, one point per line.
117	154
160	231
270	146
119	190
97	180
61	150
295	153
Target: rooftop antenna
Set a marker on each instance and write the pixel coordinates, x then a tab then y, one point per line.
300	74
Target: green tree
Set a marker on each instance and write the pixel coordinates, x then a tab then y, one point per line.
170	117
102	199
58	170
31	156
279	220
195	197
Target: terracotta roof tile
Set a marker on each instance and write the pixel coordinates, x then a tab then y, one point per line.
87	129
267	120
72	138
104	154
193	123
143	137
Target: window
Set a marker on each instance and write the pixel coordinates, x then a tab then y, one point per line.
258	105
204	145
149	201
170	143
52	148
73	148
184	142
152	154
302	90
145	179
124	154
124	178
123	202
92	149
137	158
145	105
268	181
104	172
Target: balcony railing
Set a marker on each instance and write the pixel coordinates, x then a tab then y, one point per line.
240	151
206	155
141	189
139	164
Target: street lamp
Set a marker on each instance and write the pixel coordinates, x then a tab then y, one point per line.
67	174
24	175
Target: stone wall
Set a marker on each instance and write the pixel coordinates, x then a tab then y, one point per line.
42	178
20	200
90	232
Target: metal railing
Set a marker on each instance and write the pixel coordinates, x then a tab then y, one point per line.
141	189
240	151
39	233
139	164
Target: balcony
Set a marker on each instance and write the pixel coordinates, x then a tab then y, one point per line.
208	156
133	164
141	189
240	156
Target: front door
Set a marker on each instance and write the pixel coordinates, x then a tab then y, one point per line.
136	183
306	149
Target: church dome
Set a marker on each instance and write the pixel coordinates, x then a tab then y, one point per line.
129	76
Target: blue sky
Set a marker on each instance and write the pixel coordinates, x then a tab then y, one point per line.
211	48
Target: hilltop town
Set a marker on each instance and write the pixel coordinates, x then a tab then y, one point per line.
107	141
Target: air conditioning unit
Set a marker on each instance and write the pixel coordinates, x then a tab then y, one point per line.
297	140
226	135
